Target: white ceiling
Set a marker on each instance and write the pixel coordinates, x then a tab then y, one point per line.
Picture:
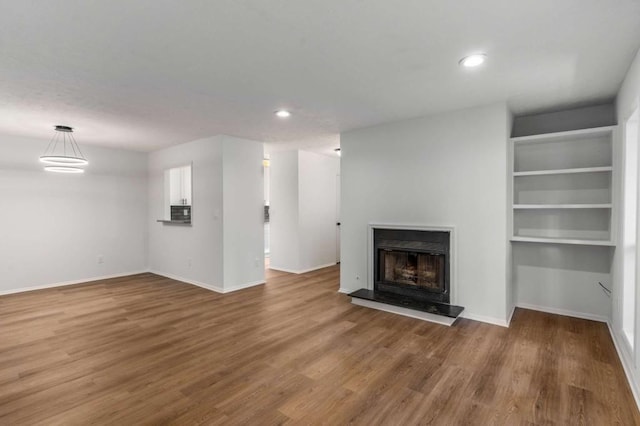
144	74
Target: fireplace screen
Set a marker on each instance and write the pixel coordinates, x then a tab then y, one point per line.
420	270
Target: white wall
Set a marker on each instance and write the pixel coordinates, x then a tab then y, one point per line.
220	248
303	210
192	253
267	184
563	279
284	211
57	226
627	101
54	226
317	220
447	169
243	212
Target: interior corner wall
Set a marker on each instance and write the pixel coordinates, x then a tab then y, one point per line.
303	211
444	170
284	219
56	226
560	121
243	213
627	100
189	253
629	94
317	197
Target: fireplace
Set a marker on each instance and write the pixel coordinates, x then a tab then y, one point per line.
412	263
410	273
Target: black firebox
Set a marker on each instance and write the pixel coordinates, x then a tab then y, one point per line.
412	263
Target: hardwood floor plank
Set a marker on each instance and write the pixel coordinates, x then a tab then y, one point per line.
150	350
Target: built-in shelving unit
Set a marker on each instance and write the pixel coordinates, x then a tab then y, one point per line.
562	187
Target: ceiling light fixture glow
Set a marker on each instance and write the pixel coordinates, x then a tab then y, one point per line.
283	113
64	169
473	60
337	151
62	160
63	151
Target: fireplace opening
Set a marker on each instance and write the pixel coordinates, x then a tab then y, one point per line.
413	264
420	270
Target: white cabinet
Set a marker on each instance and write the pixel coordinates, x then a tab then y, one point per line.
180	186
562	187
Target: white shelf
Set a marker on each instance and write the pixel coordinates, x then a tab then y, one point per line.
571	134
571	200
561	206
564	171
562	241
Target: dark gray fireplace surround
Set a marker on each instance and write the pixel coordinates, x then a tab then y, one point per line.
412	270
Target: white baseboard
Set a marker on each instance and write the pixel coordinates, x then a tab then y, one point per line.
301	271
344	290
425	316
565	312
73	282
485	319
279	269
243	286
627	364
211	287
216	288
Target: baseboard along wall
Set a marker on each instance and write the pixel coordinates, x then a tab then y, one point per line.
72	282
301	271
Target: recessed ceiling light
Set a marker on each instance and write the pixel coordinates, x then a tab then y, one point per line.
283	113
473	60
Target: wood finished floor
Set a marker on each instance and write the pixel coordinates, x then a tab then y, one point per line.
151	350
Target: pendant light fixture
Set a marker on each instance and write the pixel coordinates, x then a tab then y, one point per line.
63	154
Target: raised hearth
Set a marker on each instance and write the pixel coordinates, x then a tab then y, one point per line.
435	308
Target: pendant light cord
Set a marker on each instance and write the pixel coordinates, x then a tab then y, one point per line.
73	145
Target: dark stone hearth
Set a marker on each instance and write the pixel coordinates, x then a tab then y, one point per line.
436	308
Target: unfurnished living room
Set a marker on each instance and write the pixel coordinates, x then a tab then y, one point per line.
377	212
